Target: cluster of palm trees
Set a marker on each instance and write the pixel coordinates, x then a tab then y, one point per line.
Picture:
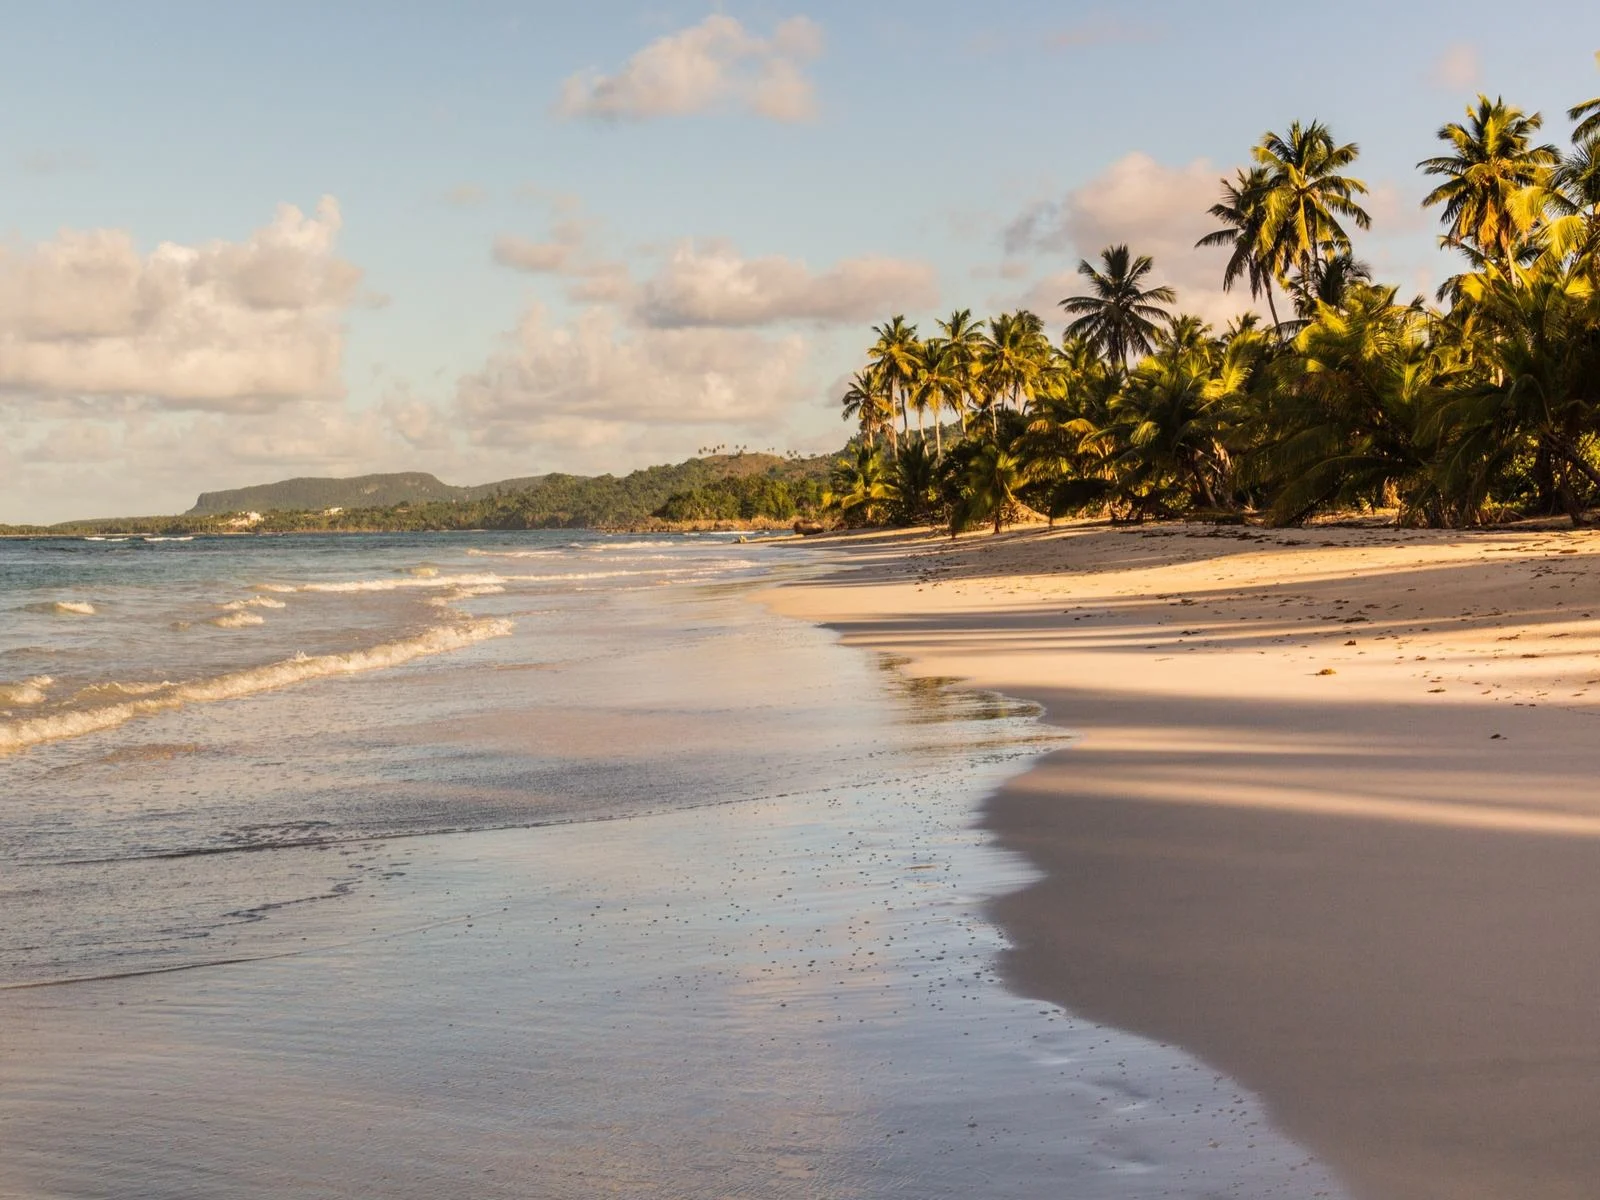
1480	404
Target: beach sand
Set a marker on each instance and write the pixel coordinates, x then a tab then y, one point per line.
1330	819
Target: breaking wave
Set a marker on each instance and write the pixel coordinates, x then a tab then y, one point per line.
238	620
64	608
28	692
451	582
31	731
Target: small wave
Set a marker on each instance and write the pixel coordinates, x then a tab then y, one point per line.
456	595
253	602
64	608
380	585
189	537
421	572
349	586
238	620
474	552
118	687
28	692
97	538
20	735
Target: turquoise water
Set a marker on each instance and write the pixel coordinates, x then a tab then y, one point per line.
527	865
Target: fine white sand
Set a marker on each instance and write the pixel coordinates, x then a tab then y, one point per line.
1331	819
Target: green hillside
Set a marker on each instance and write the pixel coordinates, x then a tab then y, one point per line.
725	487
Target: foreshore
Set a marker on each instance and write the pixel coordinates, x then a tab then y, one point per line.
1329	819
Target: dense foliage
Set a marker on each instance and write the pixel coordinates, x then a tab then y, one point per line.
1481	403
729	487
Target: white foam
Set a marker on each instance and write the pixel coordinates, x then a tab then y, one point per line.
19	735
27	692
348	586
238	620
253	602
76	608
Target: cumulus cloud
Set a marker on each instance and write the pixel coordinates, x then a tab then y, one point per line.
1458	69
597	374
1155	209
228	325
715	65
712	285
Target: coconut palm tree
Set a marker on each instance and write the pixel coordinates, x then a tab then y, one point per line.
964	335
1118	316
860	487
941	382
1492	159
1243	213
1304	197
894	357
864	402
1012	353
989	488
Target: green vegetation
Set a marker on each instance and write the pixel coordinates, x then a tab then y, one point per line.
1479	405
730	488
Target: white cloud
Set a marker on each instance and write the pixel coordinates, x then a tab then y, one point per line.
520	254
1458	69
594	375
717	64
228	325
1156	210
711	285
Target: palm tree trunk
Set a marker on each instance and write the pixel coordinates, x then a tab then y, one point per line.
938	437
1272	308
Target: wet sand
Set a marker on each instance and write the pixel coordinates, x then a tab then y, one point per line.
753	961
1330	820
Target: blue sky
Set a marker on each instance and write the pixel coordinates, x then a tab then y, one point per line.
593	237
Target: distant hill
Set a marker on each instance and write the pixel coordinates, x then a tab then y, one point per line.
362	491
720	486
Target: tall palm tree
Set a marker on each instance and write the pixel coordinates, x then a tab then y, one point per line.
963	333
941	383
865	403
894	358
1011	355
1305	196
1243	213
1118	316
1492	159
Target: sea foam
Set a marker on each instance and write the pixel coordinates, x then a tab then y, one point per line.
27	692
441	639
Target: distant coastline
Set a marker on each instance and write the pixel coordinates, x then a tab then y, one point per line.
738	492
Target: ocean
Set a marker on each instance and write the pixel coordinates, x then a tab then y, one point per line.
527	865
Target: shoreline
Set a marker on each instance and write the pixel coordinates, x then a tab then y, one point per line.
1327	822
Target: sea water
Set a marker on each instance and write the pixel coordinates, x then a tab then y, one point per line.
511	865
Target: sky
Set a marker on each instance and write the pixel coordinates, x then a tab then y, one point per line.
245	242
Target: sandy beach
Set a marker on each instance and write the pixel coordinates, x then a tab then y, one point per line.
1328	819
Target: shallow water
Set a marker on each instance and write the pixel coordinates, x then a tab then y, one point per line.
711	922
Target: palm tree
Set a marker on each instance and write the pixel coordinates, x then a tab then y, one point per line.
1243	213
941	382
894	358
1345	420
1304	196
988	488
860	487
964	335
864	401
1011	354
1118	316
1492	160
